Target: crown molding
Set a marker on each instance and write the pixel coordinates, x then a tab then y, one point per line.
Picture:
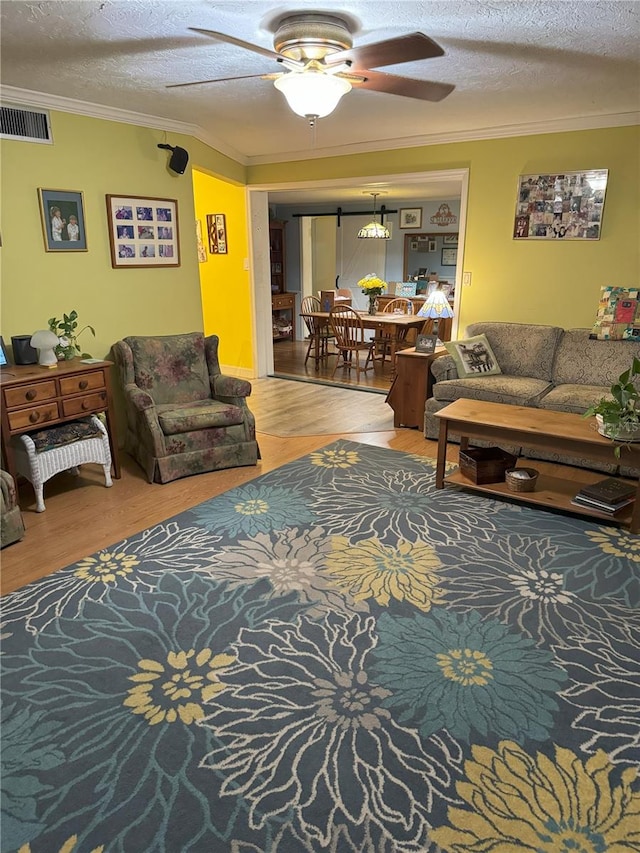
27	97
556	126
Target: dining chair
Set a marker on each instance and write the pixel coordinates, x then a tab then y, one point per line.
349	332
382	339
319	332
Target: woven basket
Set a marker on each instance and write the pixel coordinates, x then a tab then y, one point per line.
517	483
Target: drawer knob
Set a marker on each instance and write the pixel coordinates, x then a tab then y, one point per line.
30	395
86	405
83	384
34	417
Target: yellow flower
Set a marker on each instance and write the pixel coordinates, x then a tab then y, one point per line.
67	847
620	543
536	805
106	568
466	666
253	506
177	689
335	458
370	569
372	282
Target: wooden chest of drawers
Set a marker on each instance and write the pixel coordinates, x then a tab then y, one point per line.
32	396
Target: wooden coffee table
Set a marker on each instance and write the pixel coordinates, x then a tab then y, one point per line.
559	432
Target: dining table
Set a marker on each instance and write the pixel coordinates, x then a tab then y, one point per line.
396	326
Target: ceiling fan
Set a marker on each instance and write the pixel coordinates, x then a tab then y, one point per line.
322	64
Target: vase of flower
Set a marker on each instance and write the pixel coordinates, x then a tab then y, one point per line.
372	286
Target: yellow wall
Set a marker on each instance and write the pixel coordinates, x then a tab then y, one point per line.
224	279
551	282
99	157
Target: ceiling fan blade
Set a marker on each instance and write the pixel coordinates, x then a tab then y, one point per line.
255	48
224	80
423	90
389	52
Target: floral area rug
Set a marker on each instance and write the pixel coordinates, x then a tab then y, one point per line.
333	657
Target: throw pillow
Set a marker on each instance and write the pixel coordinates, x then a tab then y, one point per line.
473	357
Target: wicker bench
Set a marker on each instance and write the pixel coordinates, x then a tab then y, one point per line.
39	455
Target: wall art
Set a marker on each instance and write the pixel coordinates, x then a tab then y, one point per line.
618	317
63	225
143	232
560	206
217	231
411	217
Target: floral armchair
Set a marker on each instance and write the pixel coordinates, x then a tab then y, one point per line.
183	416
11	523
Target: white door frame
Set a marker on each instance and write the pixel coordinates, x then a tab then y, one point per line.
258	216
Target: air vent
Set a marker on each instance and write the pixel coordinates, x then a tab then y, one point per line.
28	125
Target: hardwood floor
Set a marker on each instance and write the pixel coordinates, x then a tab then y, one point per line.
82	516
288	360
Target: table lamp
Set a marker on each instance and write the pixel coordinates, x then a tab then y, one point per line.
436	308
45	342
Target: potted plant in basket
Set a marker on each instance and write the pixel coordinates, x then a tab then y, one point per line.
618	416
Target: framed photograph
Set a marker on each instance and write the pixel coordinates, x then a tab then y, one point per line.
4	358
426	343
202	252
63	224
217	231
411	217
449	239
432	245
143	232
560	206
449	257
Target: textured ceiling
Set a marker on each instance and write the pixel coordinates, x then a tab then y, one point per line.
513	63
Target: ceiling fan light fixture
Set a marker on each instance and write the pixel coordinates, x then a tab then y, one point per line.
312	93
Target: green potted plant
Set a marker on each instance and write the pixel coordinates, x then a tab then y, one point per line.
618	416
65	330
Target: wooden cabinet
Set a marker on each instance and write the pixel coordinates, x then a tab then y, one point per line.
411	386
277	257
283	304
283	310
33	397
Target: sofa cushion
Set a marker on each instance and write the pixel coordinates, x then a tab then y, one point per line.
522	349
573	398
581	360
201	414
473	357
172	369
517	390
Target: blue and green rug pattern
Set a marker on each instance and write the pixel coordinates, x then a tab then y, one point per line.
333	657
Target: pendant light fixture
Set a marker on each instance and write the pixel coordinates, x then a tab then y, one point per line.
374	230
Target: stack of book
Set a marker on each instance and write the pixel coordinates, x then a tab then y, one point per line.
609	495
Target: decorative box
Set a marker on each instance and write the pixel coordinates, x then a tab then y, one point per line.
485	464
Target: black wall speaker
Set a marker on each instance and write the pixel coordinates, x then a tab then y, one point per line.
179	158
23	352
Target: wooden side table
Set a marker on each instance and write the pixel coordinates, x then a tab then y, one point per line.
412	386
32	397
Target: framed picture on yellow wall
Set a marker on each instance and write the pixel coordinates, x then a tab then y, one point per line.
143	232
63	225
217	232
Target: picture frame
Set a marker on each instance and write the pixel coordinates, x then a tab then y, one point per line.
449	257
560	205
432	246
143	231
449	239
411	217
4	355
426	343
217	233
63	222
202	252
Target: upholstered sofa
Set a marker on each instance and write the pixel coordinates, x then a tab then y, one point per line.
183	415
544	367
